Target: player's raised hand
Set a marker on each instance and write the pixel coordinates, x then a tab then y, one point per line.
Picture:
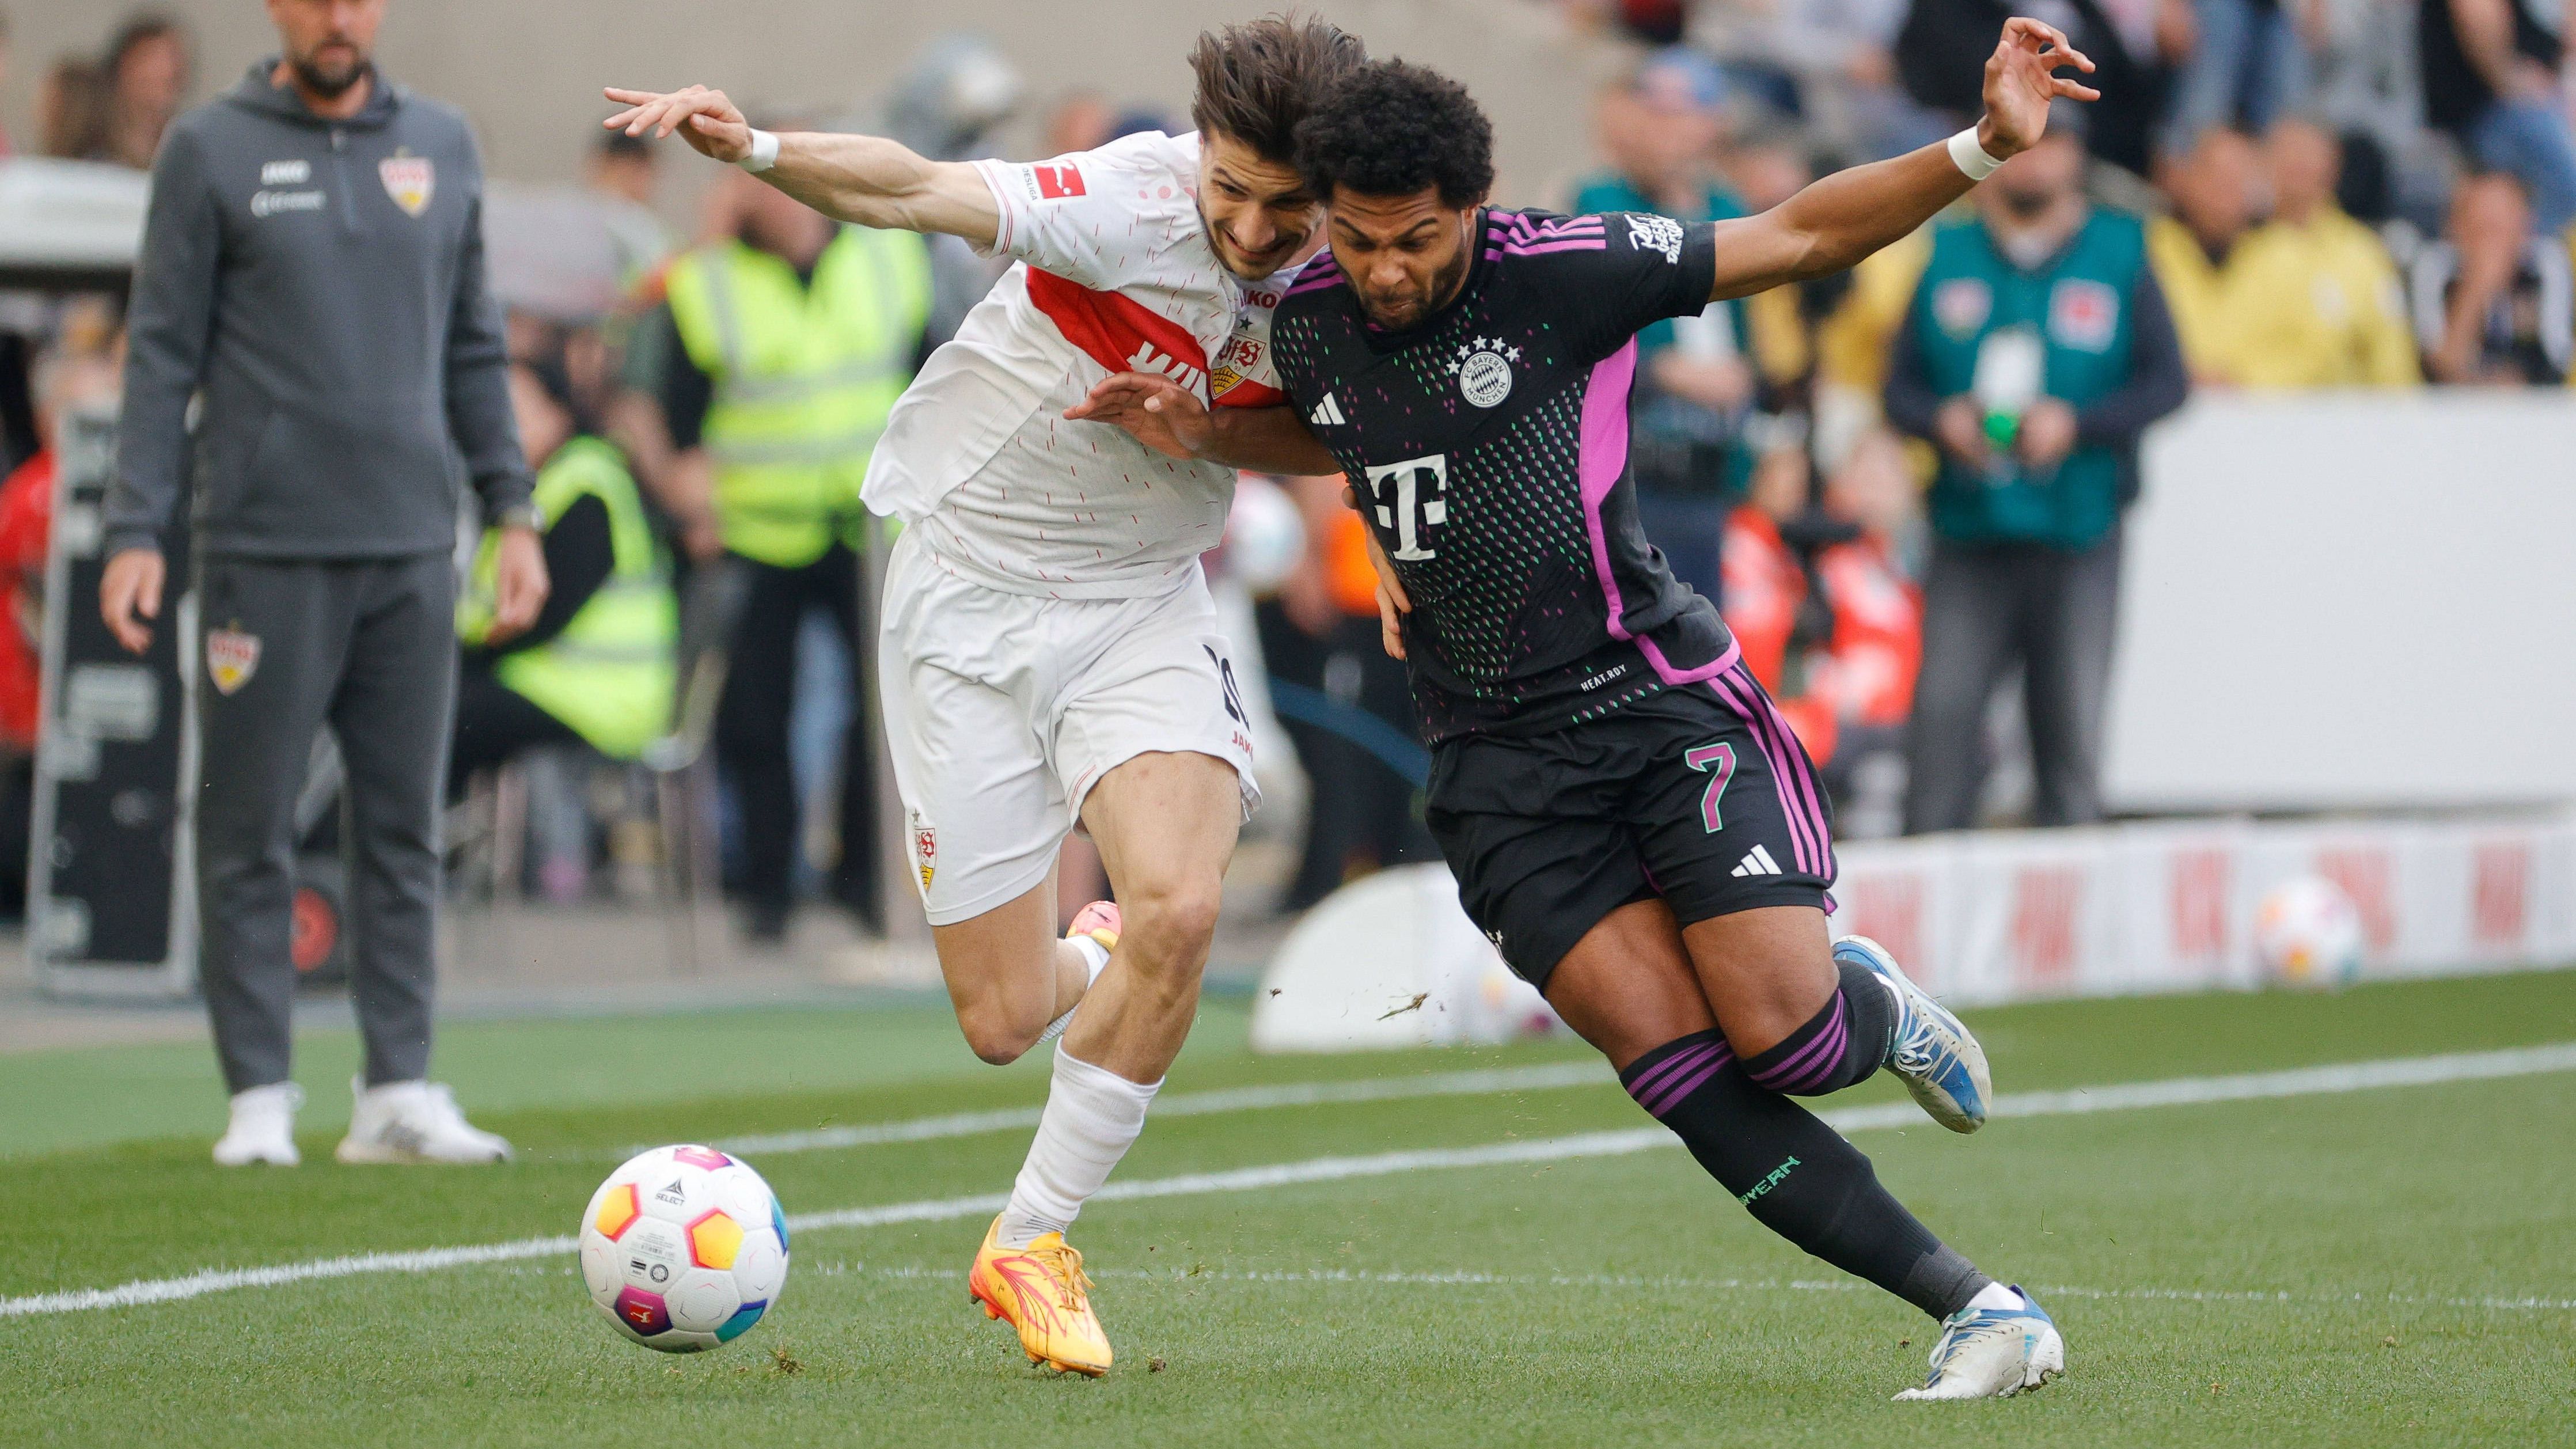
2021	80
704	118
1162	414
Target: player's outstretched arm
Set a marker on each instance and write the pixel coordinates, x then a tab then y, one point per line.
1837	221
1170	419
864	179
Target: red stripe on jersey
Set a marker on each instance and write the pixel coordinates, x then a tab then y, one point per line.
1250	394
1118	332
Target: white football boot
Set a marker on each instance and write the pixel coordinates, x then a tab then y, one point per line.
414	1122
262	1128
1935	1054
1993	1353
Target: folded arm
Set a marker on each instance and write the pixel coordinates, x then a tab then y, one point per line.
868	180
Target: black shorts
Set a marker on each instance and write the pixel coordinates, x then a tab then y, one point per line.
1700	795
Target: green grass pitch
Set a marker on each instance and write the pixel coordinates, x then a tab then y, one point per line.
2386	1266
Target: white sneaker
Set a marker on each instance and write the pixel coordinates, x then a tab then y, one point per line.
1993	1353
1934	1054
262	1128
414	1122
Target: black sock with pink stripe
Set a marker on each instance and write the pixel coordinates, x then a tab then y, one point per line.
1796	1175
1839	1045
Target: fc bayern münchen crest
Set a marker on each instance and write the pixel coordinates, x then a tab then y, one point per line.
1483	368
409	180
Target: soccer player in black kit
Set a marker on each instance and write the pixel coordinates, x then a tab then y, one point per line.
1628	816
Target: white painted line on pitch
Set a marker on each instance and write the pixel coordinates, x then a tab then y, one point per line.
1191	1104
2185	1091
1472	1278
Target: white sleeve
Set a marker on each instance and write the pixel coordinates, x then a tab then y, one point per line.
1091	217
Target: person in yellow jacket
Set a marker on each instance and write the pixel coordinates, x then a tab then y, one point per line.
599	665
2308	299
774	361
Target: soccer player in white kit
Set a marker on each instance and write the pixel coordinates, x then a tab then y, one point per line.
1050	654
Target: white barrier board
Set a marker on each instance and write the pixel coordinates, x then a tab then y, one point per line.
1987	918
2350	601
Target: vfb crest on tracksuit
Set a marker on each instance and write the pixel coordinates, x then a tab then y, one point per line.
410	180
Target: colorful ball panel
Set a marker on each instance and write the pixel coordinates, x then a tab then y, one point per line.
616	1210
741	1322
643	1313
713	1241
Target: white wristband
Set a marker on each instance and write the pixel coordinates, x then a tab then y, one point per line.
1965	152
764	151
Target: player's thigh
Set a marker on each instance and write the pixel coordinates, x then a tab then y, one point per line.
1152	744
1165	822
1534	878
1733	829
1628	987
982	814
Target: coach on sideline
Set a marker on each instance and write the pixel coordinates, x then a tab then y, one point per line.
313	267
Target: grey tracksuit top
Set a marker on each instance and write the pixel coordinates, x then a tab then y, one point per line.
322	283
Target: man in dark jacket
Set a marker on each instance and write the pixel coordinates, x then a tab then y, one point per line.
313	269
2036	352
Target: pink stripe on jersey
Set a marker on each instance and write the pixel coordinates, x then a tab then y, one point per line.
1540	249
1601	460
1791	774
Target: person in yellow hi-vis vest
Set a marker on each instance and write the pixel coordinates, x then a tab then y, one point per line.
600	664
775	360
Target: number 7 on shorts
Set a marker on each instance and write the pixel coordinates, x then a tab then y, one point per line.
1718	761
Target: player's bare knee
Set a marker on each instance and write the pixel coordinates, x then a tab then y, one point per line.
1172	921
994	1033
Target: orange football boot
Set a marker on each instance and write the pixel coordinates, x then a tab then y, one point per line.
1040	1290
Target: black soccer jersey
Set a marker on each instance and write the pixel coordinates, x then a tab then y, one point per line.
1489	446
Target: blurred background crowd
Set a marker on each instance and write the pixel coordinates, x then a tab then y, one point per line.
2272	195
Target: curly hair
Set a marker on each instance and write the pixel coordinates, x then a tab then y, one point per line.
1257	80
1393	129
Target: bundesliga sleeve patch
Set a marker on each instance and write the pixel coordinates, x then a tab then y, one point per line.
1056	181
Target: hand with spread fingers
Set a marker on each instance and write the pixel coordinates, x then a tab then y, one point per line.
705	119
1162	414
2021	81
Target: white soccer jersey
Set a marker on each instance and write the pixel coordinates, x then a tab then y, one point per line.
1115	275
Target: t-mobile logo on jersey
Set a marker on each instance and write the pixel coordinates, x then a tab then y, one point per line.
1411	497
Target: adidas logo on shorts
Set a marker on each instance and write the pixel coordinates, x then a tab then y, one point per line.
1756	862
1326	414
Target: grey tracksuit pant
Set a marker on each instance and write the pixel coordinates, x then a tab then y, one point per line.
1985	609
368	647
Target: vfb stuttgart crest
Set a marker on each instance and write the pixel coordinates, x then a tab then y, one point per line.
231	657
925	848
409	180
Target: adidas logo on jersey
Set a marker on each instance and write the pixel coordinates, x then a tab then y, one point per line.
1327	413
1756	862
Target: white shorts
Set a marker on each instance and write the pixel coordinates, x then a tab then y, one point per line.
1002	711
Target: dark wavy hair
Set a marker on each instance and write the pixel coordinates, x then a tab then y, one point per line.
1257	80
1393	129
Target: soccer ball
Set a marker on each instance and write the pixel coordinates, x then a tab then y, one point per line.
684	1248
2308	934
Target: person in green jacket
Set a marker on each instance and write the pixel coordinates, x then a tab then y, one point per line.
2036	352
600	664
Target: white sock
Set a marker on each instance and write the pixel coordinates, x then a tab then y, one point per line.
1095	959
1996	1298
1092	1116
